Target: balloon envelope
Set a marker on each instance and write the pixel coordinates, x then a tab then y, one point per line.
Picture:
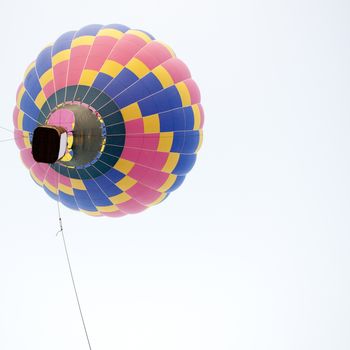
132	115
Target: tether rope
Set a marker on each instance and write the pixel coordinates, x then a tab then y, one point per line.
71	272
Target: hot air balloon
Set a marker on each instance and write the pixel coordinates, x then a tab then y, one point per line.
108	120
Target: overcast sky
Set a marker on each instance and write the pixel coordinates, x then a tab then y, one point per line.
252	252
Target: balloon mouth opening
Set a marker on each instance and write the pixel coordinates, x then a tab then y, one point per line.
49	143
74	135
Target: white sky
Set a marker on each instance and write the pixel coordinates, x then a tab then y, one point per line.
252	252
